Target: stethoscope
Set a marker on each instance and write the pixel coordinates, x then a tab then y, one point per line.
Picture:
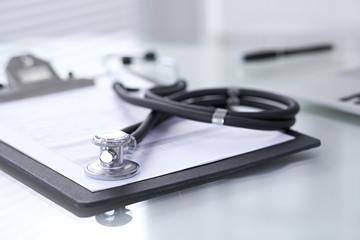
216	106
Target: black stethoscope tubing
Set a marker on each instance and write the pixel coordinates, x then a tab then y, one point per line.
200	105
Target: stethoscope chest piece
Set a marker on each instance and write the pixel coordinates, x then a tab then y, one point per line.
111	164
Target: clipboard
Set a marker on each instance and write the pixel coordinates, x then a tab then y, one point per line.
83	202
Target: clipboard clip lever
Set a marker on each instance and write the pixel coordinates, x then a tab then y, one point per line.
29	76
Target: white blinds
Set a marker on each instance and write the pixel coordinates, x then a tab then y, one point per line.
27	18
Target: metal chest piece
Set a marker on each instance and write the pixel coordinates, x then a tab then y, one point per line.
111	164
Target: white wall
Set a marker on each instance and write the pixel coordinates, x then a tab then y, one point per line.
284	17
178	20
170	20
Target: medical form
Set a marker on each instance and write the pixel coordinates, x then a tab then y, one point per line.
57	129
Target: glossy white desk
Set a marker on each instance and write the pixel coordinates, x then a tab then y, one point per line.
310	195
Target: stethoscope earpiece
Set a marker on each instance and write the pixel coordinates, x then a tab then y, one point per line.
148	56
126	60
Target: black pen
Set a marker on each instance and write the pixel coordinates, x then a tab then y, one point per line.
272	54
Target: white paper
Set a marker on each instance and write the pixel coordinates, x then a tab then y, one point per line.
57	129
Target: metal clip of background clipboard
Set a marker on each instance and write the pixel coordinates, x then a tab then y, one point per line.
29	76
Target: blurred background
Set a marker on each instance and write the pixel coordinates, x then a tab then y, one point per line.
178	20
86	30
208	37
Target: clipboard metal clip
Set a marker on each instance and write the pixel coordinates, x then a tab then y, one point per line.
29	76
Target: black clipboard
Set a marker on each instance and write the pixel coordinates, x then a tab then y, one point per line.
83	202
